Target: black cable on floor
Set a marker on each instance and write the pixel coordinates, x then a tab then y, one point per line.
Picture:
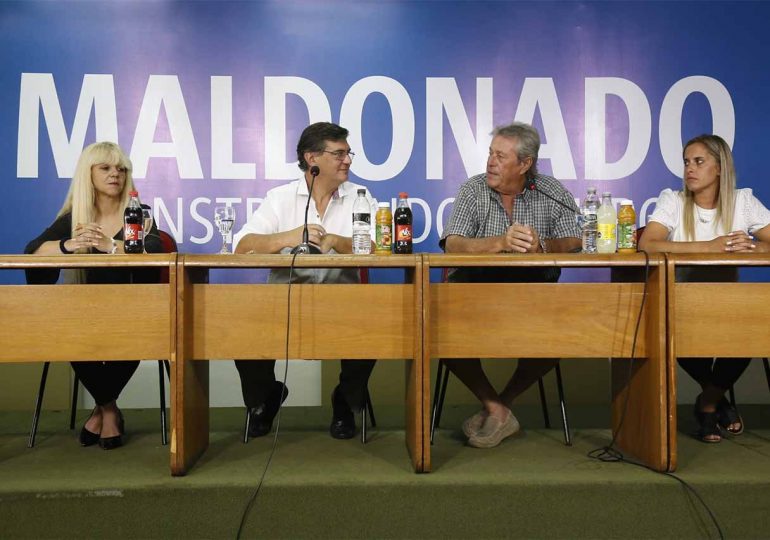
610	454
254	495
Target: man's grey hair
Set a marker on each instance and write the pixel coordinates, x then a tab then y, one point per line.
528	140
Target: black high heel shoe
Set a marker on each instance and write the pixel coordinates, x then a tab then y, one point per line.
87	438
111	443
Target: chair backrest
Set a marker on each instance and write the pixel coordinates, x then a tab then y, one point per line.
168	244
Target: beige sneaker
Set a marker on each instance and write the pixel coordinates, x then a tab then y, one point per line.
493	431
472	425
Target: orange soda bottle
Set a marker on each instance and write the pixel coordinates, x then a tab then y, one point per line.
383	229
626	227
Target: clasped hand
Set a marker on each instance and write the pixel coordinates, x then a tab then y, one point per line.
316	235
521	239
87	236
736	241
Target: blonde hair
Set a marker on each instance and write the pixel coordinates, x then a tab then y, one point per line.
720	151
81	198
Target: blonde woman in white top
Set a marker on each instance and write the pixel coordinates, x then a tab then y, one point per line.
710	215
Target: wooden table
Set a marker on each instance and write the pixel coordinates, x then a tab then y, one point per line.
88	322
566	320
727	320
248	321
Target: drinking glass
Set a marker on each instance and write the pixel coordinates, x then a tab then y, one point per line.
147	221
224	217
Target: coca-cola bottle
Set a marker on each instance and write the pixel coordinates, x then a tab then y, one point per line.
402	218
133	233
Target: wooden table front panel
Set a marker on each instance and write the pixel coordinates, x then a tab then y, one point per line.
44	323
543	320
327	321
721	319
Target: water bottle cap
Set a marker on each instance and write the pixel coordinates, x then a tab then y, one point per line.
606	194
383	204
362	191
133	193
592	189
627	202
403	195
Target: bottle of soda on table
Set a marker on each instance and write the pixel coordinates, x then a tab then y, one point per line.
133	225
402	218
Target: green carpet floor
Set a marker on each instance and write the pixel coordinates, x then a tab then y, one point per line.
532	486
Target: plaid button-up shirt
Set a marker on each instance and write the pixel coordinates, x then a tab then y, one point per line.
478	212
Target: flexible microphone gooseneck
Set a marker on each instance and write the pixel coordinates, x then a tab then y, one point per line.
305	246
530	185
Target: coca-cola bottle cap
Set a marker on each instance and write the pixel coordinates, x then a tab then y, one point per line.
133	193
403	195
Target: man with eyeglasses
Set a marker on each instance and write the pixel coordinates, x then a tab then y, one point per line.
277	227
508	209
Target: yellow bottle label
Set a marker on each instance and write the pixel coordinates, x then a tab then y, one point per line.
607	231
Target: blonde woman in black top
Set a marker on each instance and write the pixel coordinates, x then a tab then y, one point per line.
91	221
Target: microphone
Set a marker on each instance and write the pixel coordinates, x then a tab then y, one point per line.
305	246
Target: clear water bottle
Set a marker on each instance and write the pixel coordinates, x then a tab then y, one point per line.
590	228
362	223
607	219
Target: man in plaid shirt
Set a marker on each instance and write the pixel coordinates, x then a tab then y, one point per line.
506	210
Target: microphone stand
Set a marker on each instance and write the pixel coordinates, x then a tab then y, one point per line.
306	247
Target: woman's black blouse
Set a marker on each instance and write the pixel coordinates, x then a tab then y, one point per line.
62	228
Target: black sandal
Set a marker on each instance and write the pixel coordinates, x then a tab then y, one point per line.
708	424
728	415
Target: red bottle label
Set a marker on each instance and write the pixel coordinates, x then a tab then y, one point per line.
131	232
403	233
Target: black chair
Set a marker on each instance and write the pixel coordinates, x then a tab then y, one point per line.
169	246
442	380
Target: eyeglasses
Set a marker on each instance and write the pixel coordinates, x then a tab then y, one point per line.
340	155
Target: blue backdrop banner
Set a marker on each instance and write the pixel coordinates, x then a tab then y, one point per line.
209	98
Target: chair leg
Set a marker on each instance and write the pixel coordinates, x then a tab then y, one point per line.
74	407
246	427
162	385
767	371
370	408
544	403
363	426
442	381
562	403
38	405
